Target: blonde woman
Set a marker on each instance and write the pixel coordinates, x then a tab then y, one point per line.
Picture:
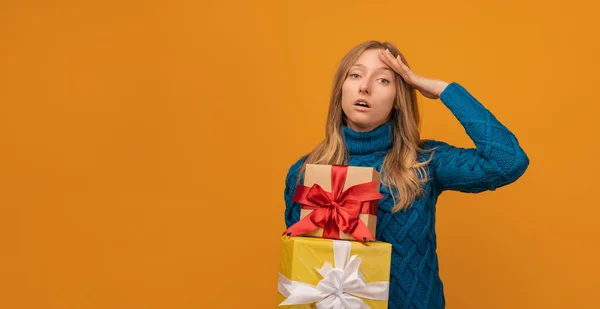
373	120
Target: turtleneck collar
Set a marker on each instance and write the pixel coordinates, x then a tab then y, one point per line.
362	143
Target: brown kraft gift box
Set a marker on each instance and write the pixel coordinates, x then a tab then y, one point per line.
321	174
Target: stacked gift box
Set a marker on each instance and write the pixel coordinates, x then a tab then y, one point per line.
330	258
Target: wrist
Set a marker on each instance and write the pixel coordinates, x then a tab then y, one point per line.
442	87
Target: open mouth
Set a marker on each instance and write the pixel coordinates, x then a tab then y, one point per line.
362	103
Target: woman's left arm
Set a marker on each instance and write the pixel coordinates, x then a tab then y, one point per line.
497	160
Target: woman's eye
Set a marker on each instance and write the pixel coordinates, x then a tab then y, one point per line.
385	81
354	75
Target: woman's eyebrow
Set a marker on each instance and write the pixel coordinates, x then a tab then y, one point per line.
377	69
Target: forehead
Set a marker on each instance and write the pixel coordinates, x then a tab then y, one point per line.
370	60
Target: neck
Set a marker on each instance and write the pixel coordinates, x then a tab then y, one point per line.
367	142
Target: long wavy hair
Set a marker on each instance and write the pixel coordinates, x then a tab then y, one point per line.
400	169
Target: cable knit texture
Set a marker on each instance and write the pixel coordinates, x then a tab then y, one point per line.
496	161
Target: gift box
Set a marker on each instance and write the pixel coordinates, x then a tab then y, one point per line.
338	202
327	273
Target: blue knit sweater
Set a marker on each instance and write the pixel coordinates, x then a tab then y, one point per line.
496	161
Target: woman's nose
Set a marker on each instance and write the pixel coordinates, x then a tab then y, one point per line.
364	88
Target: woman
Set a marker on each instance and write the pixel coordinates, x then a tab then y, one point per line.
373	121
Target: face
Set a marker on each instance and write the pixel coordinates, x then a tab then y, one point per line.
368	92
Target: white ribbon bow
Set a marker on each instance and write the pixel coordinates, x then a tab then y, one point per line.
340	287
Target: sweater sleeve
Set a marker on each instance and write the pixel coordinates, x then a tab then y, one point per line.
292	209
497	160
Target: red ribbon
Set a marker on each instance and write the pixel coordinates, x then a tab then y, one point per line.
336	210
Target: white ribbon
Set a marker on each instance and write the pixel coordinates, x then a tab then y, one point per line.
340	287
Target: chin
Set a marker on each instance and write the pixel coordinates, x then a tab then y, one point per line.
365	122
361	124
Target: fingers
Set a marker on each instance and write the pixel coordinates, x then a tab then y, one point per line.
388	59
396	64
402	65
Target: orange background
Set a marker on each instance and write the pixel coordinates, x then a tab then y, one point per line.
145	145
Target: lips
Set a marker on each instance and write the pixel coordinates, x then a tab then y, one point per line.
362	103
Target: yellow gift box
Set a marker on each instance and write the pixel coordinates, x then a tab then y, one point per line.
317	272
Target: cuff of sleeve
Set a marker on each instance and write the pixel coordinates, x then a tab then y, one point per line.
452	92
459	100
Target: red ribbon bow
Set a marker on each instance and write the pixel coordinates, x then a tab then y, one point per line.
336	210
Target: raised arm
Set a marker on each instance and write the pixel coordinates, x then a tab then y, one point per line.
496	160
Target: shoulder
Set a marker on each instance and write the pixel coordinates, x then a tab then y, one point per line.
434	147
428	144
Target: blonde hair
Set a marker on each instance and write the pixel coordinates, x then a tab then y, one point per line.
400	168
